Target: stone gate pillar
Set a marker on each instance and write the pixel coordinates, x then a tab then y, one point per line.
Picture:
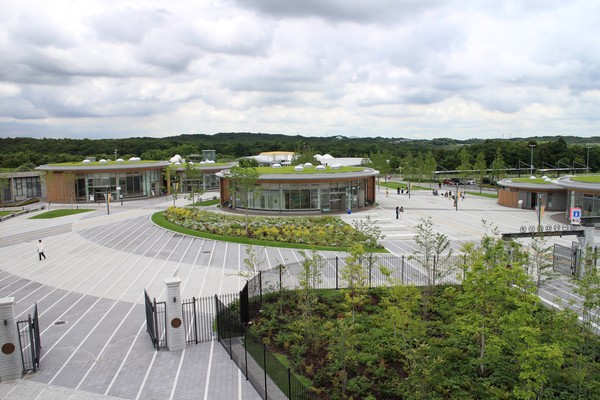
10	354
584	242
175	328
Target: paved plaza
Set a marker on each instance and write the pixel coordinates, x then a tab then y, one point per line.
99	264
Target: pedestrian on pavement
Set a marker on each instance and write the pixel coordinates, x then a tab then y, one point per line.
401	210
397	211
386	192
40	247
398	190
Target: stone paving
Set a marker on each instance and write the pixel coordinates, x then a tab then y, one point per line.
99	265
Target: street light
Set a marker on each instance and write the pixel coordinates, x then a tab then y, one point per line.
587	163
532	146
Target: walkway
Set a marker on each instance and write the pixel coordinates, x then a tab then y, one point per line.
99	265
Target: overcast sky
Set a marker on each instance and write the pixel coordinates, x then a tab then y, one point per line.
394	68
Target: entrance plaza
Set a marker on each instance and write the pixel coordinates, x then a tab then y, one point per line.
98	266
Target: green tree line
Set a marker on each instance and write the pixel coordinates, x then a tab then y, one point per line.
396	153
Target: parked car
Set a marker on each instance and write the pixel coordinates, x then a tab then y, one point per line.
449	182
469	182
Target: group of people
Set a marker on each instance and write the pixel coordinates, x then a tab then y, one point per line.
398	211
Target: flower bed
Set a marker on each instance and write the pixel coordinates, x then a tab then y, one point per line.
317	231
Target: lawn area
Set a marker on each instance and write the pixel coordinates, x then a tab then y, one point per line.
59	213
5	213
328	233
401	185
204	203
484	194
586	179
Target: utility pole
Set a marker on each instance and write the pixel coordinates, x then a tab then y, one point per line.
587	163
532	146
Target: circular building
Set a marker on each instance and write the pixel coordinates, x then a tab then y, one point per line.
582	192
531	192
302	189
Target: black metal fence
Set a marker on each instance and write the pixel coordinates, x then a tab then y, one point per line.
28	331
269	377
383	270
198	319
156	321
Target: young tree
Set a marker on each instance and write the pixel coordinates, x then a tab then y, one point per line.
243	182
173	181
49	179
429	167
69	181
356	277
194	178
539	265
498	166
434	250
309	279
465	162
481	167
4	182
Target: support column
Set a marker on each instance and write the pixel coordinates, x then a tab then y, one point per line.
175	329
584	242
10	354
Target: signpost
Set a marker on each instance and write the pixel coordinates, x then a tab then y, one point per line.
575	216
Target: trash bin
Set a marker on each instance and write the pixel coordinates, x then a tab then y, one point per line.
520	204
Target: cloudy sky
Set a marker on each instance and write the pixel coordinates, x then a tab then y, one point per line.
393	68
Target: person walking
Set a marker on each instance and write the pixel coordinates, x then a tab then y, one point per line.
40	247
397	212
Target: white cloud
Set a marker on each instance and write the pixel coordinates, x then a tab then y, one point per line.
365	68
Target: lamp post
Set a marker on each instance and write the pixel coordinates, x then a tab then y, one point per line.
532	146
587	162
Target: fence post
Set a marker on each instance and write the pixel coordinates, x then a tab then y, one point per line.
434	271
265	368
336	274
155	317
195	320
289	384
246	351
402	270
173	310
260	286
11	366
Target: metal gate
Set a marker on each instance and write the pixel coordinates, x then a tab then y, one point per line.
156	321
565	259
29	341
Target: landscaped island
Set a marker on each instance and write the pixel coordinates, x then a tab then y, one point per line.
328	231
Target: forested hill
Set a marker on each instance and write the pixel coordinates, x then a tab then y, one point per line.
28	152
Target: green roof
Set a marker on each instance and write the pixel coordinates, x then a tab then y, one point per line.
537	181
285	170
586	179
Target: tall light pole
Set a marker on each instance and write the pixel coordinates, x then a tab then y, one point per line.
587	162
532	146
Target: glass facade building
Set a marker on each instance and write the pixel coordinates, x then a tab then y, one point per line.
306	192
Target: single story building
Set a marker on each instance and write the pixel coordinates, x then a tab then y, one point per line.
528	193
305	188
20	186
95	181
